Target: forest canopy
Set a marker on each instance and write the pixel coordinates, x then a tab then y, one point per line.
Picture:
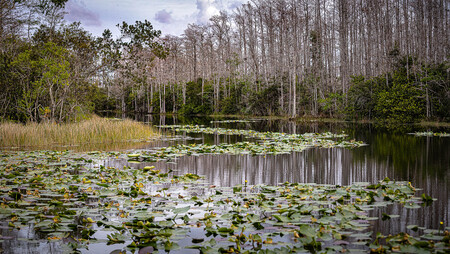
382	60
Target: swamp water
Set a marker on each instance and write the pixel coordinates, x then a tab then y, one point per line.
136	202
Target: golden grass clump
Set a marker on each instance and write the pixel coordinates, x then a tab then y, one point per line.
94	130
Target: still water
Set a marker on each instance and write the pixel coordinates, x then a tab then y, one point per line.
390	152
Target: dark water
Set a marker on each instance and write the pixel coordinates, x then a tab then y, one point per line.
391	152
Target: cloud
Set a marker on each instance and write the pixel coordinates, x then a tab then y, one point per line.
76	11
235	4
206	10
164	16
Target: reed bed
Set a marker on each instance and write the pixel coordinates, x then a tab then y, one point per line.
94	130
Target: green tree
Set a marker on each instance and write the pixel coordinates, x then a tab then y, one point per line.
139	49
411	92
434	83
266	101
43	73
198	102
399	102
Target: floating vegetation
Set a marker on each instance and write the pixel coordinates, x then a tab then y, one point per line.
278	136
431	134
235	121
265	143
74	200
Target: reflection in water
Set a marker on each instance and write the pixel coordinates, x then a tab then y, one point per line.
323	166
423	161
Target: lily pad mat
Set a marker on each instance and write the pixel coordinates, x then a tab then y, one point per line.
70	198
74	200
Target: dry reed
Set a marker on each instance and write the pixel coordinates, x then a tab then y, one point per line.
94	130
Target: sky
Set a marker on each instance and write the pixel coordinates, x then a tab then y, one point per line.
169	16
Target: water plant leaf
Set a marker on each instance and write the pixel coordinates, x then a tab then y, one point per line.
413	227
181	210
306	230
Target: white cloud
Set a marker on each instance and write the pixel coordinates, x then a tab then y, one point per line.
77	11
234	4
169	16
206	9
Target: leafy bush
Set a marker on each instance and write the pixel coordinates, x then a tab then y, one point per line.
197	102
408	94
266	101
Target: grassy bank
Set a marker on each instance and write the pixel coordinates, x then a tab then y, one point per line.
94	130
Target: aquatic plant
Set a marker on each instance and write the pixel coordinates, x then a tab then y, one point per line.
93	130
70	199
235	121
431	134
259	143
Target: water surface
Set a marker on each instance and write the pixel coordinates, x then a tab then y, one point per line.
390	152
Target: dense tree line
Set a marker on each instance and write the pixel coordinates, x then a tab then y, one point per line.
304	57
45	66
53	71
376	59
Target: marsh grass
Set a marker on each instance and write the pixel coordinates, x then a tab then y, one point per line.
92	131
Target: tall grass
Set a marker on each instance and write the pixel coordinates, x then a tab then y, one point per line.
94	130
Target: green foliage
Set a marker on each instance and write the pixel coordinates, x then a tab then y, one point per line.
44	74
360	98
159	98
399	103
100	100
266	101
400	100
402	95
52	75
60	71
332	103
142	34
198	102
436	80
232	104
